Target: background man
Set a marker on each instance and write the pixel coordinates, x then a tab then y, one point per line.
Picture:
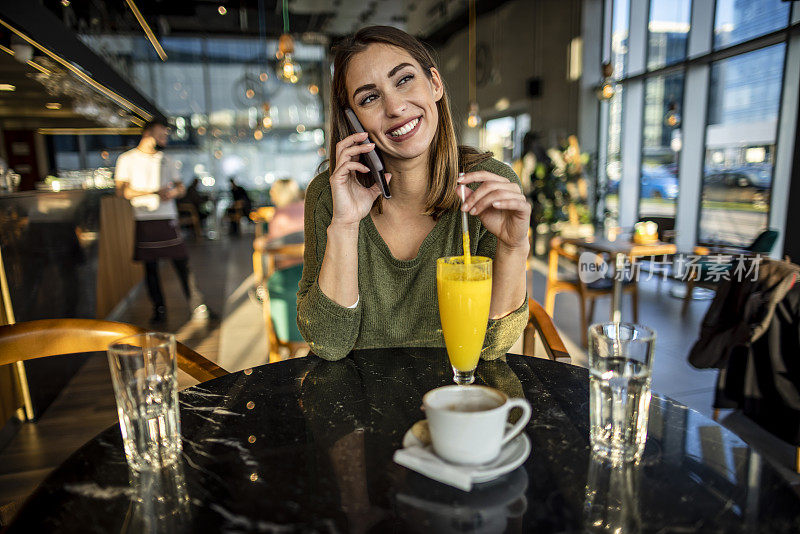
151	181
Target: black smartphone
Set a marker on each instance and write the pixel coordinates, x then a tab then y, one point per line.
371	159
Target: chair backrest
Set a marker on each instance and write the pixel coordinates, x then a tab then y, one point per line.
557	251
286	252
51	337
764	242
541	323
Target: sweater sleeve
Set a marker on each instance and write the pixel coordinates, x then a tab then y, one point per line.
501	333
330	329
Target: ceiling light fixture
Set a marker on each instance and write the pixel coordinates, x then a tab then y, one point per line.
473	119
80	74
7	87
39	68
222	10
288	70
147	31
53	105
89	131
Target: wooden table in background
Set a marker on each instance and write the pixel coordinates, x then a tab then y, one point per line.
620	249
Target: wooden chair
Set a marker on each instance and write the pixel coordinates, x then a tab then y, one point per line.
261	217
586	292
539	322
188	216
51	337
274	257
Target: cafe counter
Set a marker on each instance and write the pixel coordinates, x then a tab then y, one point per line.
59	250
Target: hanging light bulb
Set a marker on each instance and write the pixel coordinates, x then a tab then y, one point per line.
288	69
473	119
605	91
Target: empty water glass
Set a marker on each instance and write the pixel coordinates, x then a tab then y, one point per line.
144	374
620	365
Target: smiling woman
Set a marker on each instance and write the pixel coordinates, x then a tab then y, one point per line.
369	275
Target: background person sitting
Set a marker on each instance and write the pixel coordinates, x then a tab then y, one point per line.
287	197
197	199
241	207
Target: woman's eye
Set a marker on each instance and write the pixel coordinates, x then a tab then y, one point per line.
406	78
367	99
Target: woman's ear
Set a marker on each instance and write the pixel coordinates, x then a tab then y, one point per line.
436	84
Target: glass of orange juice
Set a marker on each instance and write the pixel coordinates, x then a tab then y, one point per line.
465	292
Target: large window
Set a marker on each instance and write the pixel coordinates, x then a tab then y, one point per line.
744	99
668	32
614	155
619	37
503	136
704	130
231	116
740	20
619	62
661	145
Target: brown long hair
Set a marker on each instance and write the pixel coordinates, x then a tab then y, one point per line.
446	159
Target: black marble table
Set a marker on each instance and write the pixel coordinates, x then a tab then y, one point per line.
306	446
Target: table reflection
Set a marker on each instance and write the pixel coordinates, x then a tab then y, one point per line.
159	501
612	497
498	506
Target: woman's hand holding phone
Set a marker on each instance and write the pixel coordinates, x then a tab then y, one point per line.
351	200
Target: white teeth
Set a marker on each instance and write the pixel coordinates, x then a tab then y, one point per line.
410	125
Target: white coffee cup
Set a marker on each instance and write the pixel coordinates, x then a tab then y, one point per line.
468	423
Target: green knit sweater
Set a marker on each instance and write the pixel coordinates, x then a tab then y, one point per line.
397	304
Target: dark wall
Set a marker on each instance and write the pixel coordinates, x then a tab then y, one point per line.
21	150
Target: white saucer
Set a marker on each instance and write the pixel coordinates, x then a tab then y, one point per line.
512	455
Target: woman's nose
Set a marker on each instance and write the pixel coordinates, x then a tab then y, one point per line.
394	105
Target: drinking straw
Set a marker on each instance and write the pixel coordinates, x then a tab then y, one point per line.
464	227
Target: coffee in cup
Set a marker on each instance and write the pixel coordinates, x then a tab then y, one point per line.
468	423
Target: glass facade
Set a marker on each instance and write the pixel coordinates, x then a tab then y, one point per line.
614	155
231	115
732	170
661	145
739	20
744	99
619	37
667	32
503	136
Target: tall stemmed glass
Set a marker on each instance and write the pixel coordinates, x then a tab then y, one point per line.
465	292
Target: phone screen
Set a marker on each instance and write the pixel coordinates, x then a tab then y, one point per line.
371	159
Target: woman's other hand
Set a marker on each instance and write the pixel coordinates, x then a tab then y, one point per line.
351	200
500	205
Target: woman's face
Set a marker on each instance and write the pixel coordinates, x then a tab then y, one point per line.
394	100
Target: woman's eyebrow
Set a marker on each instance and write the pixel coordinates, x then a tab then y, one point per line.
366	87
392	72
397	68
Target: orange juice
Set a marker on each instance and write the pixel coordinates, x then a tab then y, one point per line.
465	292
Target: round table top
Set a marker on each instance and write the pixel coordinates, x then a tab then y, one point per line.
306	445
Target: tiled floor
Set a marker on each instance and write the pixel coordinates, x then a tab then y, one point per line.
236	340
